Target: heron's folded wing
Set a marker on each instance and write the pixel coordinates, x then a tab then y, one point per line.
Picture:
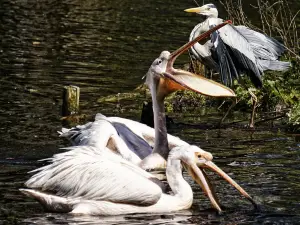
89	173
202	52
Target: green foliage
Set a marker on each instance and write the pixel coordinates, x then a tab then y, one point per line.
183	101
281	91
294	118
294	115
285	86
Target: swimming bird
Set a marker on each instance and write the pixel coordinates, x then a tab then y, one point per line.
162	79
92	181
236	50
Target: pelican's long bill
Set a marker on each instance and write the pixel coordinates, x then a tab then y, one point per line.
175	79
199	175
186	46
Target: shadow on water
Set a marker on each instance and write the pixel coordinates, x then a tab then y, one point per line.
105	47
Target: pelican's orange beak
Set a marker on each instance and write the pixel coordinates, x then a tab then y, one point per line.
175	79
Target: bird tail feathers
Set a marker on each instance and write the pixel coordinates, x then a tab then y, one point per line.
274	65
50	202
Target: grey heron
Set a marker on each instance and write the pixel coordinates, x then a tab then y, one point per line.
236	50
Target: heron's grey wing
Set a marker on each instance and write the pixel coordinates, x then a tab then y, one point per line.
202	52
266	49
235	55
88	173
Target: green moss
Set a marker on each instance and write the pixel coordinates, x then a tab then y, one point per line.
181	101
294	118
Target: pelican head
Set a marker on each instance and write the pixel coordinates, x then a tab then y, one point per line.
164	79
195	160
208	10
157	68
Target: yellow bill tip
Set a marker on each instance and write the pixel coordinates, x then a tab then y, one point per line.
193	10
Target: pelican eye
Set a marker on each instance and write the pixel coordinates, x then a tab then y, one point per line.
159	61
199	156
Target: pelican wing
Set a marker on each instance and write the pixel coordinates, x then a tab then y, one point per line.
95	133
103	133
235	55
134	142
95	174
145	132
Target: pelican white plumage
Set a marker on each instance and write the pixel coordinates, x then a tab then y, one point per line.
132	140
162	79
234	50
93	181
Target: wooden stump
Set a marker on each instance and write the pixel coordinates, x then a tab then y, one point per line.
70	104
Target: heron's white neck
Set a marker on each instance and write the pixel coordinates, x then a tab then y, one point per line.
213	15
161	140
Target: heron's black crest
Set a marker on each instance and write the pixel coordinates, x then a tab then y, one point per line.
211	6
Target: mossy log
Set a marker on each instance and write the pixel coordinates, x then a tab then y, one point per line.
70	104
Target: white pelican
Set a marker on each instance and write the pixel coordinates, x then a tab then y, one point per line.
162	79
88	180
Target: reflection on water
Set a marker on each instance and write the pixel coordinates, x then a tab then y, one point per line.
105	47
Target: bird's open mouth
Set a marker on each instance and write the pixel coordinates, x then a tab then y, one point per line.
199	175
175	79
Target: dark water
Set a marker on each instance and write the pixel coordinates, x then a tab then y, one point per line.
105	47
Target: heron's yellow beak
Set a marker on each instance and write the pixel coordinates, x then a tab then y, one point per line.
194	10
196	170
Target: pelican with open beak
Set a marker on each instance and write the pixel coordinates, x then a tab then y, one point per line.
162	79
87	180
